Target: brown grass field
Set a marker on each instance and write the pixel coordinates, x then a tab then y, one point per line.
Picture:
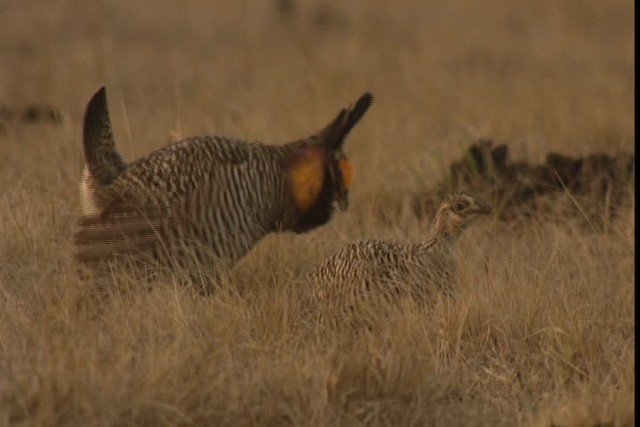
541	331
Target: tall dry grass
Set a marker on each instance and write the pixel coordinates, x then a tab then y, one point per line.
542	329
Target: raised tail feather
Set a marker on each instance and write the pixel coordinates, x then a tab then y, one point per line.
336	132
103	161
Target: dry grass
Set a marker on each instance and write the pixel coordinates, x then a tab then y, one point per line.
542	331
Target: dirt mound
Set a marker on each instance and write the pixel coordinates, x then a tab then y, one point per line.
593	187
29	115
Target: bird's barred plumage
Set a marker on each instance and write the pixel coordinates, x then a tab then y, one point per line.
359	266
374	272
206	199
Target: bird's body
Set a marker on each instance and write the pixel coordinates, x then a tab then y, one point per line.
218	206
378	272
360	266
206	199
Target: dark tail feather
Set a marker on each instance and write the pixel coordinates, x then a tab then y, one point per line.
335	134
102	157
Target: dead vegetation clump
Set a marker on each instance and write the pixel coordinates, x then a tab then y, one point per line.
593	188
29	115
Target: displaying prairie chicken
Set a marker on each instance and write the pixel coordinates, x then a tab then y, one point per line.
375	272
207	199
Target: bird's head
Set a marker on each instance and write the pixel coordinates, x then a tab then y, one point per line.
457	212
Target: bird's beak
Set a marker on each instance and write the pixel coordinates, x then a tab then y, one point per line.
482	209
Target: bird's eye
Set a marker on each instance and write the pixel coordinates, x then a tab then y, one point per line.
458	207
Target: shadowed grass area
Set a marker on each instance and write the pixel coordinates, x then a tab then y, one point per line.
541	330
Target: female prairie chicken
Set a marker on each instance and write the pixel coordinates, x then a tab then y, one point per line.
377	272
